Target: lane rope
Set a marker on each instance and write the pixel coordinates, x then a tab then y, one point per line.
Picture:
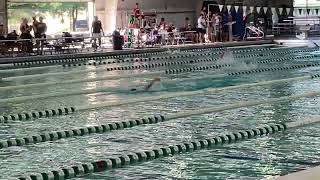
56	135
158	73
61	61
175	57
145	66
141	156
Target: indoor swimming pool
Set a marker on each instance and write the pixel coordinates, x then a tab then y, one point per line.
91	118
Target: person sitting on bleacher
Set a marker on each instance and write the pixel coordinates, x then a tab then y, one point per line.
12	36
190	36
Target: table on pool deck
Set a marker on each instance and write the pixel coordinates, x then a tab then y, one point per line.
309	174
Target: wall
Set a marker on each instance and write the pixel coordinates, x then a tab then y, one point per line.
174	11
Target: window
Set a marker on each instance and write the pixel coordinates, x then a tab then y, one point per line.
305	3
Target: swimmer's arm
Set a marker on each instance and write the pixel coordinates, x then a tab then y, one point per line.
149	85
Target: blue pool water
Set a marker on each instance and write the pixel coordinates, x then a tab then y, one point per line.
261	158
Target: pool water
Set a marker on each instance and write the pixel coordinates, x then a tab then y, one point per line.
261	158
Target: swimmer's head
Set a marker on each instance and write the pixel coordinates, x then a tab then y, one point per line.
157	79
133	89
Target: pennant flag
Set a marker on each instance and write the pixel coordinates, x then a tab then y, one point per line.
300	11
317	12
280	11
229	7
265	9
304	12
244	10
288	10
236	8
220	7
251	9
258	10
308	11
311	12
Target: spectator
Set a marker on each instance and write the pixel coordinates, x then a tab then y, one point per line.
186	24
201	28
41	29
170	31
163	24
34	25
25	29
204	11
97	30
137	14
190	36
227	18
12	36
210	26
118	40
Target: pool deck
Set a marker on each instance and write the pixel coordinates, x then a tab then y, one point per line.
309	174
110	52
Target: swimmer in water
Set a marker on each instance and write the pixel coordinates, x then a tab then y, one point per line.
222	55
148	86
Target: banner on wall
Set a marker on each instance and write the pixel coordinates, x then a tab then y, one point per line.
288	10
311	12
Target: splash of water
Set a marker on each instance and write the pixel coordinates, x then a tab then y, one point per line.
227	57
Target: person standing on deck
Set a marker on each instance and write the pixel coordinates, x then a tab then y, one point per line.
137	15
201	28
97	30
41	29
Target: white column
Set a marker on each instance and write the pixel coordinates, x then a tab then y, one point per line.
110	14
91	13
